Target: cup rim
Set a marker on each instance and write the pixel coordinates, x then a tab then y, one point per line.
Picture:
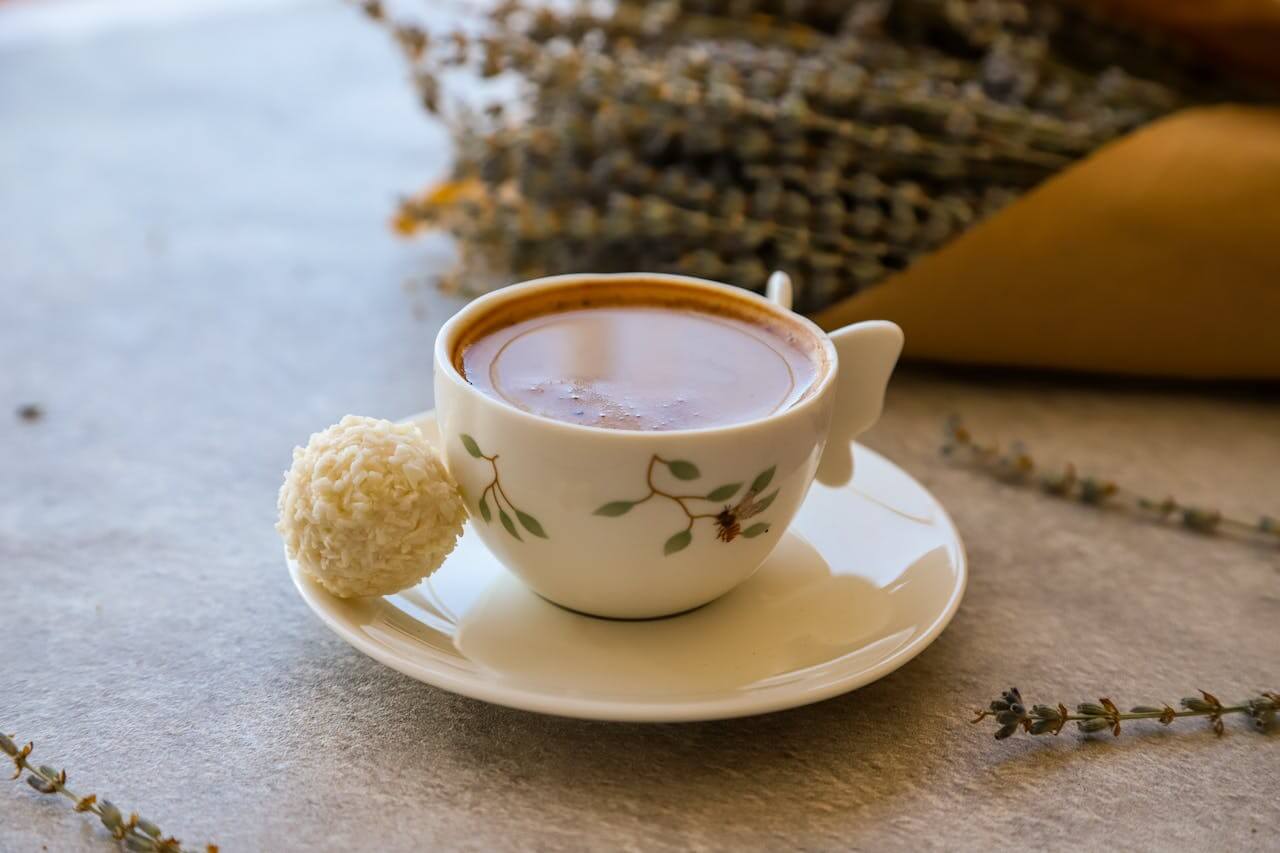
449	332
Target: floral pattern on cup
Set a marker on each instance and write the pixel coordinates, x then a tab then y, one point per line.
727	521
494	488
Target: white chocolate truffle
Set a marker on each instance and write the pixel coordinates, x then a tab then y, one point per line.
368	508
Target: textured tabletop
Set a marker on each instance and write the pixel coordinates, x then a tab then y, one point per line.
195	273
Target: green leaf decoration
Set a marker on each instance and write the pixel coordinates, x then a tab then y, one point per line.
485	513
755	530
470	444
508	523
615	508
761	482
683	470
677	543
529	523
724	492
764	502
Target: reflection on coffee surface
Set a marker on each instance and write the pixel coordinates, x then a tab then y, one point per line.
624	357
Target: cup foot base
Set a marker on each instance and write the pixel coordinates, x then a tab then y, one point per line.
624	618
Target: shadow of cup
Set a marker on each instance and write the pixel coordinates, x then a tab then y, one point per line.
796	614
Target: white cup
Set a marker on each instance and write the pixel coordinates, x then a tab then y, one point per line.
632	524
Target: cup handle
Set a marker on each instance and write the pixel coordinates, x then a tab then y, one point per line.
778	290
866	353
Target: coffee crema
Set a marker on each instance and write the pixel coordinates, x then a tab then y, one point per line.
639	355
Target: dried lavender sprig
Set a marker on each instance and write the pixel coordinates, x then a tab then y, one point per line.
1011	713
805	26
901	146
827	54
819	16
630	216
1015	465
575	156
136	833
1112	103
1109	100
663	22
760	133
512	235
921	91
505	235
655	91
828	252
817	103
859	207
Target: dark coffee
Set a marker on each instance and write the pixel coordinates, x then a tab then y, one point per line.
637	356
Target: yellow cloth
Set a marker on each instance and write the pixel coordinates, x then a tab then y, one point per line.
1158	255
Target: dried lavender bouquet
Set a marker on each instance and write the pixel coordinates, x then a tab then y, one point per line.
835	139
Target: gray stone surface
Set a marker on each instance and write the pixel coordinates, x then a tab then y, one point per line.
195	273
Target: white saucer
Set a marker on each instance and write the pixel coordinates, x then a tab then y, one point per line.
868	575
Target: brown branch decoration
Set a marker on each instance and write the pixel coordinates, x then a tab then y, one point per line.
728	520
495	490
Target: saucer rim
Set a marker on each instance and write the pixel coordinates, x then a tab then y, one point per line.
732	705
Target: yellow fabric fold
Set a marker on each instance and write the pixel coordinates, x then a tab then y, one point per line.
1158	255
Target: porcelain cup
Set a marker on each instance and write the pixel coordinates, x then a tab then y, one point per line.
635	524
